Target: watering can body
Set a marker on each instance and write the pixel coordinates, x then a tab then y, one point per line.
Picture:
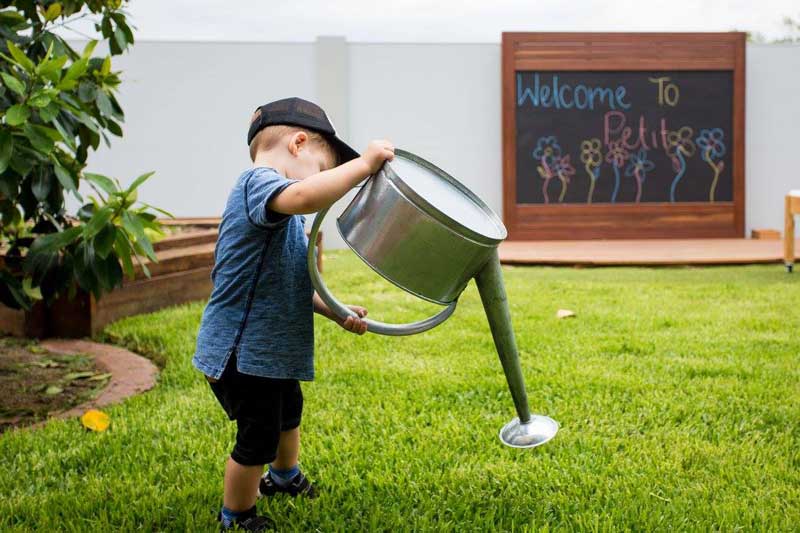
411	242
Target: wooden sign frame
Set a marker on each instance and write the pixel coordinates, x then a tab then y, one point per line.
623	52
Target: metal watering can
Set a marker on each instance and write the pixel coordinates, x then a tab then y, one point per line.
425	232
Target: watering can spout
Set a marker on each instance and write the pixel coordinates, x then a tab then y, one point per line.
525	431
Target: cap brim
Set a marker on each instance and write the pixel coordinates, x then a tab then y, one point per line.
341	148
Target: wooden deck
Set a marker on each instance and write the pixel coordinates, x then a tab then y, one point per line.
663	252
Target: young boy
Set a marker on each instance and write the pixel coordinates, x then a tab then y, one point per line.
256	338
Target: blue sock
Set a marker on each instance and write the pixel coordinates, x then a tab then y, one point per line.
284	477
227	517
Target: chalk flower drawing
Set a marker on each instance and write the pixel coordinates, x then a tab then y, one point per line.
547	152
679	147
638	167
564	170
711	145
591	157
616	154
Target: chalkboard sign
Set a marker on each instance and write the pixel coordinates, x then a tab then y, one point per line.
623	137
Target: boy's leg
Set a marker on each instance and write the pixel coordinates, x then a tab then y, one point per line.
241	485
284	473
288	450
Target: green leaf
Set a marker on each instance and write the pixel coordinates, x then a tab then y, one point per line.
21	165
51	69
75	70
50	132
34	293
104	104
41	183
125	28
20	57
52	390
53	12
87	121
118	114
113	127
17	114
97	222
104	182
44	363
123	249
9	187
105	27
85	273
138	181
12	16
86	211
65	178
39	138
88	49
39	100
6	148
121	38
104	241
87	91
68	138
108	272
133	225
13	286
13	83
105	70
158	209
55	241
49	112
72	376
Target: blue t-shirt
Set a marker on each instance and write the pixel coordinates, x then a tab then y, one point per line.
261	306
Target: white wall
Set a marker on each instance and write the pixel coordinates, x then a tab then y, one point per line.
187	109
772	142
440	101
188	105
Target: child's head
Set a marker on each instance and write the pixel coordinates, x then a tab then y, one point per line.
296	136
301	152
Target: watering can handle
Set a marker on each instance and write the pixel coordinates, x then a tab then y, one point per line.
343	311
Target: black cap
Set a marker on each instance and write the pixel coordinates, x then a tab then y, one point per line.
302	113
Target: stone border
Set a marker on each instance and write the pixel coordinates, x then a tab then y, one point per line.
130	373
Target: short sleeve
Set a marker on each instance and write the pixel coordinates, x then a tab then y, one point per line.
260	187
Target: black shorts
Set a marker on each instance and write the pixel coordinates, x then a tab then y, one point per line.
262	408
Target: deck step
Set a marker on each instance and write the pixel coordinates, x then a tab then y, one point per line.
190	238
203	222
174	260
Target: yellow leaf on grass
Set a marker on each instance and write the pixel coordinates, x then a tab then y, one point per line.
95	420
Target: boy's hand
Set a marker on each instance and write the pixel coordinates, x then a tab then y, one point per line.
376	153
356	325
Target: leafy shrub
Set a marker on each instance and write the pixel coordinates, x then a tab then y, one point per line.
56	105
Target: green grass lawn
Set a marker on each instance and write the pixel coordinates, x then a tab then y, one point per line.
677	391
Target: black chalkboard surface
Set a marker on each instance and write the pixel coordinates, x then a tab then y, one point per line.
623	137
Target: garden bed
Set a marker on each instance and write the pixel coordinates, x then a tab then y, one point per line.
37	383
182	274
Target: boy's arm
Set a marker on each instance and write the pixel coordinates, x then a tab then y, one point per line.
322	308
320	190
356	325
